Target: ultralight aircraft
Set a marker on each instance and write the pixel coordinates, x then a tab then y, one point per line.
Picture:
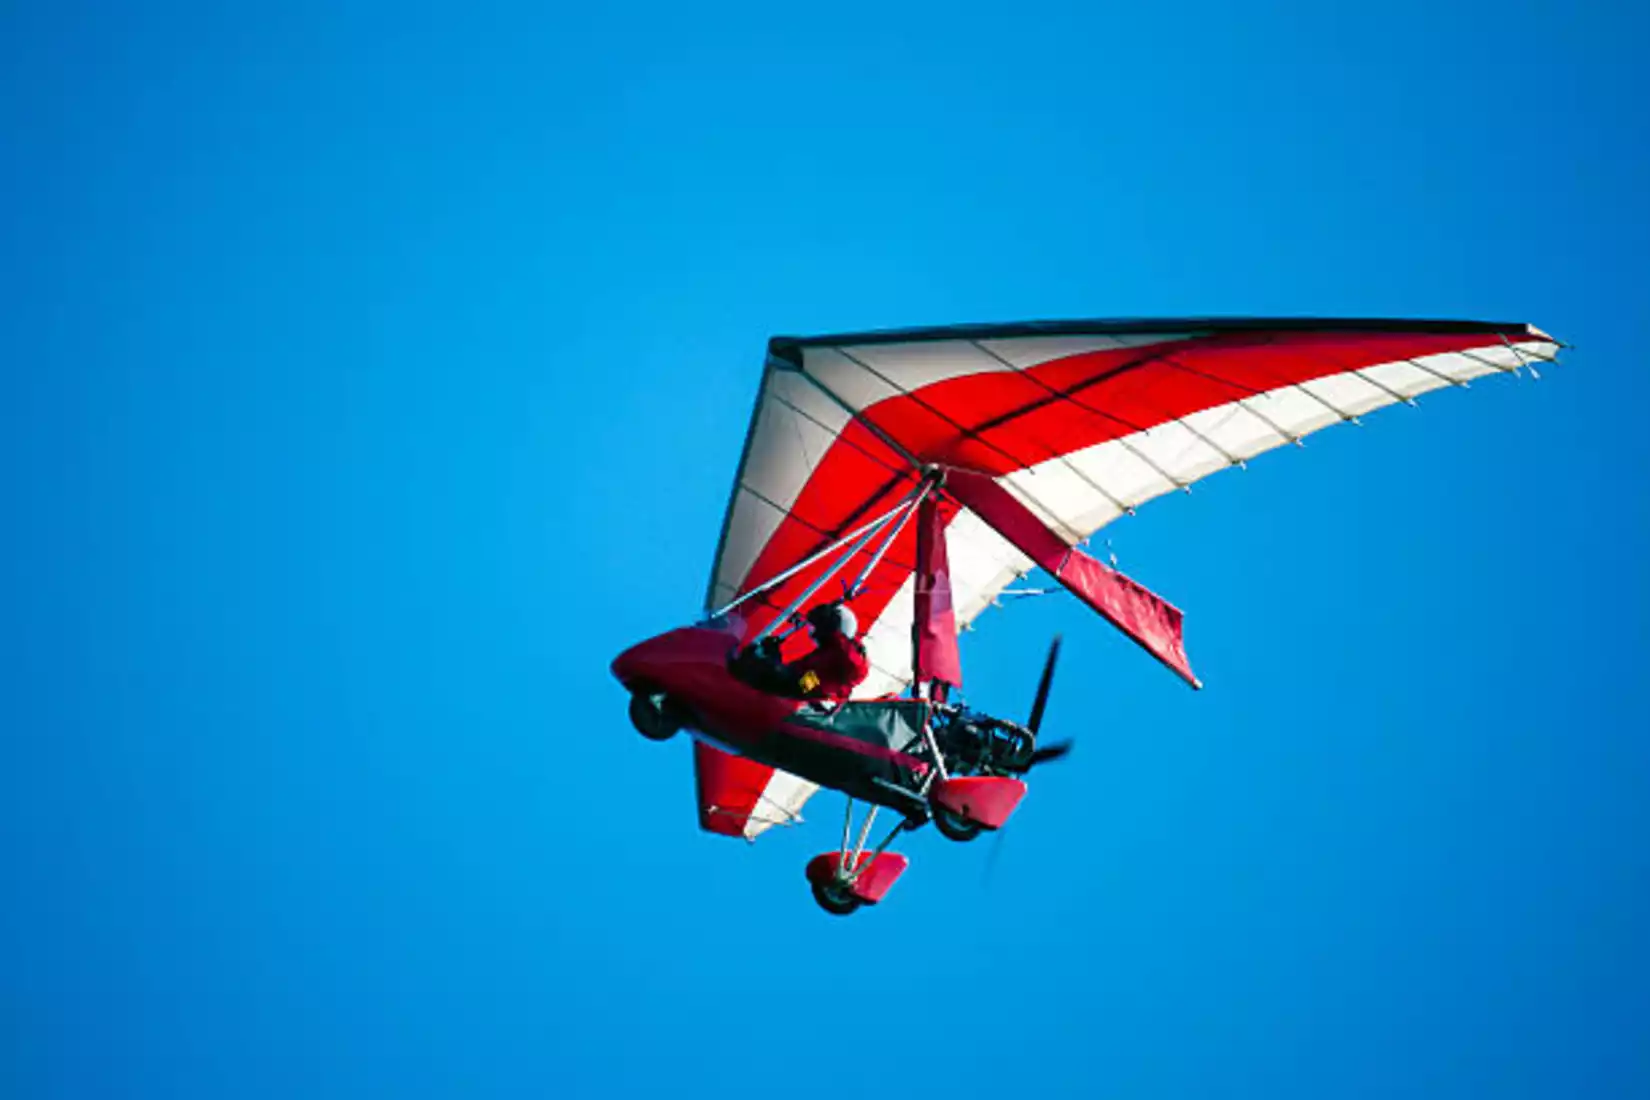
911	477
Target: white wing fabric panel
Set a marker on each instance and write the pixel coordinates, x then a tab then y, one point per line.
795	425
912	366
1029	351
888	646
982	564
782	801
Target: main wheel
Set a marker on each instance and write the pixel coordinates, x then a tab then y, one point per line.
954	826
835	898
652	717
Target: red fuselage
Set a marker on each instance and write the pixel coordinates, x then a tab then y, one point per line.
690	665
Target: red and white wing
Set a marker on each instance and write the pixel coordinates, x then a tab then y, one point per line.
1081	422
739	797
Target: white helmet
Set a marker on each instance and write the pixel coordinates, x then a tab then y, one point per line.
829	618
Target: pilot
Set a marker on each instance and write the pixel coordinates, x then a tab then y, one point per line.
838	663
831	672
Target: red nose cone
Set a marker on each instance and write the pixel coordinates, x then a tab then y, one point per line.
666	658
638	663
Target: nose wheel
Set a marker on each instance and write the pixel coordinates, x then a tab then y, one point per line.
654	716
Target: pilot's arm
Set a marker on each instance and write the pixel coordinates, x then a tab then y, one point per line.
832	671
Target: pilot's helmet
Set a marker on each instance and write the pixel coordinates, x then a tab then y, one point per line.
833	618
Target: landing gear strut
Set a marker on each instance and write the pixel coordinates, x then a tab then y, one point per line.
853	876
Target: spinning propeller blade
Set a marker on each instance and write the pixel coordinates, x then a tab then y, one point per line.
1052	752
1040	704
1043	686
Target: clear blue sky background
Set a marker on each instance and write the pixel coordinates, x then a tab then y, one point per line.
371	374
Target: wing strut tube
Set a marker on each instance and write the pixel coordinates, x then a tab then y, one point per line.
853	854
781	578
923	498
901	509
1151	621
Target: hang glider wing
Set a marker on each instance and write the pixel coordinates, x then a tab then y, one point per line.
1078	422
739	797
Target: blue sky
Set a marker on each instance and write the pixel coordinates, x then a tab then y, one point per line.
373	373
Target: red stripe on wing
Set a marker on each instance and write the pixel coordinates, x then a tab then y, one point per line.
729	789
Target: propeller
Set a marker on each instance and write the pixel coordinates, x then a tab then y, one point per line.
1041	701
1039	756
1039	704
